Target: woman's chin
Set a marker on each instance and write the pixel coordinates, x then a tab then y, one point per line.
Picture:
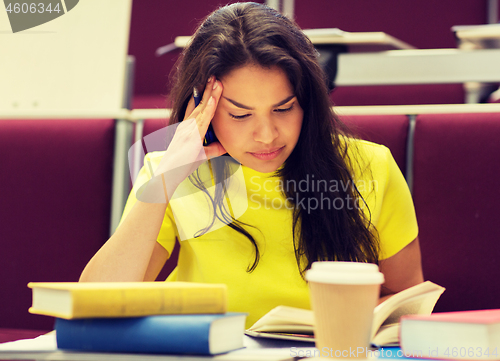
263	167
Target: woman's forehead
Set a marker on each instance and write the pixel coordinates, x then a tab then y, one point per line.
254	82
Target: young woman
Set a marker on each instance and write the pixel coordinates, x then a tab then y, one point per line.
293	188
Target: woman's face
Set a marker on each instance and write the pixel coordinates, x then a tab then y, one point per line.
258	118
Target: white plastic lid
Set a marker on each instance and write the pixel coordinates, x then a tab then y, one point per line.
345	266
346	273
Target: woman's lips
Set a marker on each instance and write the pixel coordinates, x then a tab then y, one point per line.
268	155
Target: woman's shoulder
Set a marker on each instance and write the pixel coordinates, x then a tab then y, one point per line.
365	145
366	153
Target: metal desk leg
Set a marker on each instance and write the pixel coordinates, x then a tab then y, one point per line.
121	175
410	146
138	151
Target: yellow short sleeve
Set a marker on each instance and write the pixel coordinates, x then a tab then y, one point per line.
396	220
168	231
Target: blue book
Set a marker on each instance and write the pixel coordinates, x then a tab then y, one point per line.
165	334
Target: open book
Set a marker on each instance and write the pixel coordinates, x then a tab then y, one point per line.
292	323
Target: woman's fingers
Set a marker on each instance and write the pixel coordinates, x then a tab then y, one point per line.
205	111
193	111
211	85
208	107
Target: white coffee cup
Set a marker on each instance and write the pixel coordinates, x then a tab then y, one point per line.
343	297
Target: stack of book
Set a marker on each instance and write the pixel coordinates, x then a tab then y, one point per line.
140	317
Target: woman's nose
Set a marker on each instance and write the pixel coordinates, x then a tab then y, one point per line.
265	131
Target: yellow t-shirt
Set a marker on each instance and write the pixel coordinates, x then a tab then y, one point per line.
223	255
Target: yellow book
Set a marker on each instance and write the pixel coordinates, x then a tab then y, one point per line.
126	299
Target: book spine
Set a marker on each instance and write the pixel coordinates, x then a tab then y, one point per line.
177	334
133	303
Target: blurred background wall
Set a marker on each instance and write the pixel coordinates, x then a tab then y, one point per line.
425	24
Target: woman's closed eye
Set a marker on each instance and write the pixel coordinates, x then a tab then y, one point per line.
278	110
284	110
239	117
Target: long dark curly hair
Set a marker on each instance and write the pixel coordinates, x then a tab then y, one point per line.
250	33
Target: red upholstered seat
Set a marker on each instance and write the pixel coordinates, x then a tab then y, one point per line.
55	211
457	196
152	125
389	130
10	334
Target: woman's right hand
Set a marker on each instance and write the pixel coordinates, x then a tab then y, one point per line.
186	152
204	113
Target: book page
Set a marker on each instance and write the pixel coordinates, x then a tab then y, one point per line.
285	317
419	299
387	335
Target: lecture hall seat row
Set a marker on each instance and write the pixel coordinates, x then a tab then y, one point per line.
57	178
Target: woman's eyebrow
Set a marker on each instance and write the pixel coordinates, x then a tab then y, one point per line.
239	105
